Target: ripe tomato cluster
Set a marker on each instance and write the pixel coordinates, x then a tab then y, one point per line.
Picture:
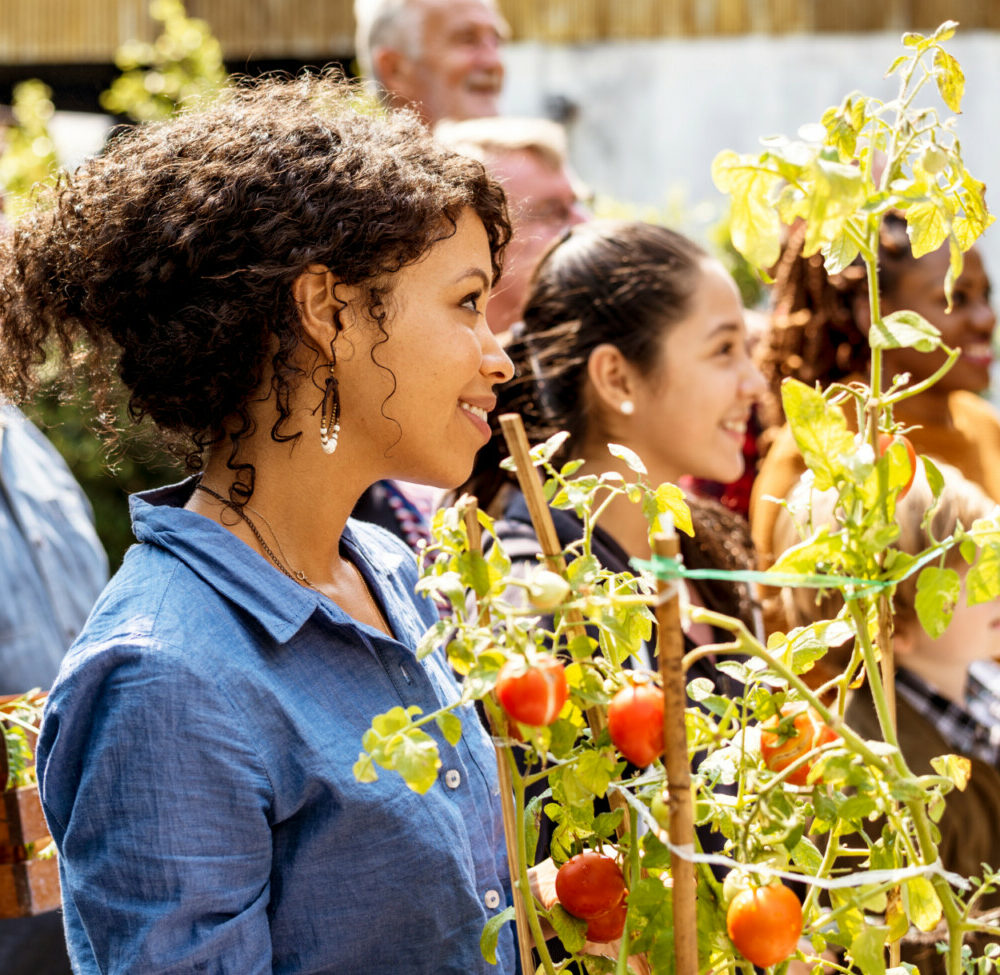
591	886
635	723
535	694
779	752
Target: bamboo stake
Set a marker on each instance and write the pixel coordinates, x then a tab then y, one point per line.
541	519
525	942
670	650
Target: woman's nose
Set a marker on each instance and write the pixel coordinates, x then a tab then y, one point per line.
496	362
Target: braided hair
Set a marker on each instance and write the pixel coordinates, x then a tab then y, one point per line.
814	335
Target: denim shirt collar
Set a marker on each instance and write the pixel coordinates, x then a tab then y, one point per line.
246	578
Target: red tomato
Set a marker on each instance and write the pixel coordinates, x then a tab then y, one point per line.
765	923
809	732
590	884
609	925
635	723
884	442
536	695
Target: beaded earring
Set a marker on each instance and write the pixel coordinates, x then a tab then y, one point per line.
627	407
329	424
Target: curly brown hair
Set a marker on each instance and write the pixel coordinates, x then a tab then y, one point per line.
814	335
170	259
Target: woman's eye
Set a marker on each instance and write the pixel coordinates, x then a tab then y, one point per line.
471	301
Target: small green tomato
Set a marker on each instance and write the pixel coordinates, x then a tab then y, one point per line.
547	589
934	160
660	810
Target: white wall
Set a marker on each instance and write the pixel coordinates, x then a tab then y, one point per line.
652	115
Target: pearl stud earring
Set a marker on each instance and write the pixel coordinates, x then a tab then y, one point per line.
627	407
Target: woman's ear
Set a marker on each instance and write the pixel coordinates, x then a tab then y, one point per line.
313	291
612	377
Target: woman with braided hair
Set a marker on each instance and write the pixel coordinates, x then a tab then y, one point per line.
819	335
293	289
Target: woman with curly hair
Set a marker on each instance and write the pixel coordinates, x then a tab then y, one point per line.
819	335
292	287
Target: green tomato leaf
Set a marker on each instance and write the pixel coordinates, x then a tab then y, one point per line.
956	768
982	582
935	479
904	330
949	78
820	431
451	726
491	934
668	499
594	771
926	227
754	228
543	452
868	948
570	930
364	769
921	903
938	592
630	457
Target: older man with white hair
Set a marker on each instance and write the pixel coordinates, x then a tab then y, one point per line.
438	57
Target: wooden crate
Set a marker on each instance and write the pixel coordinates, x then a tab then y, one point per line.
29	887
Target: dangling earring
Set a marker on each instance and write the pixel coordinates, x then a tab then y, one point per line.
329	424
627	407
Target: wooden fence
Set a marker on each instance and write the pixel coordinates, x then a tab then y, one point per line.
89	31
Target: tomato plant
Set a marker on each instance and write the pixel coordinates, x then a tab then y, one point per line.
765	923
786	738
759	824
590	884
885	441
635	723
533	695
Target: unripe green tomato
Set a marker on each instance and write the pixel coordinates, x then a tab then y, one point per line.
934	160
660	810
547	589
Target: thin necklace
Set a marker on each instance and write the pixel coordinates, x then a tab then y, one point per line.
296	575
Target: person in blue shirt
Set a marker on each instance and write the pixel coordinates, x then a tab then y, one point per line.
292	287
52	567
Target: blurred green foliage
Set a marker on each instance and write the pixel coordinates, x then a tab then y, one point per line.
29	155
183	64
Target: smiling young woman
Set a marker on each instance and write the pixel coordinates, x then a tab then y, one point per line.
293	291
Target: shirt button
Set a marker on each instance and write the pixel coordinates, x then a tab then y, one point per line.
453	778
492	899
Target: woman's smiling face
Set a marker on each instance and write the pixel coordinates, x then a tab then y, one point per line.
968	326
415	399
692	409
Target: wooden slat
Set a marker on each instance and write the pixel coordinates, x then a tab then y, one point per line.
55	31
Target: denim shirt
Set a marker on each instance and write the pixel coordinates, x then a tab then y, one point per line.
52	565
196	772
